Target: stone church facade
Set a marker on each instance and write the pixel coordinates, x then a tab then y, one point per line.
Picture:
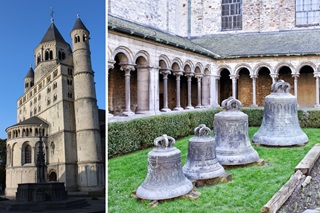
58	104
179	55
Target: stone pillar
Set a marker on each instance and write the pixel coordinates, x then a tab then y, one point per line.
127	68
165	73
317	92
295	84
216	88
206	90
234	85
199	78
189	75
142	89
178	74
254	95
154	90
110	66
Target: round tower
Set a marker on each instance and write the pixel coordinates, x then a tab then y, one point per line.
90	167
29	79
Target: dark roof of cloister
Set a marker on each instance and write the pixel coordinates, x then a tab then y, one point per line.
283	43
31	121
134	29
263	44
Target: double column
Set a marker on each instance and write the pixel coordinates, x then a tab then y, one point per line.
110	66
234	85
189	76
199	78
127	68
317	91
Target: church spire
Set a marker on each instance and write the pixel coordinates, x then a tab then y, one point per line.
52	11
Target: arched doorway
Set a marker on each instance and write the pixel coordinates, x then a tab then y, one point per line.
286	75
245	87
225	85
263	85
306	87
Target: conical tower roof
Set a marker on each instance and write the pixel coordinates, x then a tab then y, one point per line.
52	34
79	25
30	73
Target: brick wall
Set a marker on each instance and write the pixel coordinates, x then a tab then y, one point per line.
245	88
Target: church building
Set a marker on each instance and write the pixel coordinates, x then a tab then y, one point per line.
192	54
59	105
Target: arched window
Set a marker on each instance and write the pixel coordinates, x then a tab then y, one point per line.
27	154
48	55
76	39
38	58
8	155
62	55
85	37
53	176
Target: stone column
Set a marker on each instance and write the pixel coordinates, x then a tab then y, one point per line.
254	95
165	73
127	68
317	92
142	89
216	87
110	66
234	85
178	74
154	90
199	78
189	75
206	90
295	84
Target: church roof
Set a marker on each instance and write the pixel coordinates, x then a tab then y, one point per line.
283	43
31	121
52	34
148	33
30	73
79	25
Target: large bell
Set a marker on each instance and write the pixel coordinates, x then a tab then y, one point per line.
280	125
165	178
233	145
201	162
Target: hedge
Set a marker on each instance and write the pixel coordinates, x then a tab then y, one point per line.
136	134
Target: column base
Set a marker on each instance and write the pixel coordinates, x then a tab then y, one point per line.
143	112
110	115
317	106
165	110
178	109
189	107
130	113
254	105
199	107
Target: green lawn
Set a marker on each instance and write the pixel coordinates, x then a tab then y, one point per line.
250	188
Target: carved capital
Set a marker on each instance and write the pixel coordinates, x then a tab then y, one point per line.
165	71
178	72
127	67
111	64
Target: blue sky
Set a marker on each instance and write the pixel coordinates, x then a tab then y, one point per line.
23	24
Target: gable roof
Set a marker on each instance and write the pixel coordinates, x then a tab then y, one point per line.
31	121
283	43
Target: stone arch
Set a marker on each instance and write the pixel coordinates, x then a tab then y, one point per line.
190	64
200	66
140	91
244	85
283	64
110	54
306	85
26	154
125	55
224	67
239	67
225	84
176	64
16	159
164	62
207	69
307	63
142	54
52	175
260	66
206	82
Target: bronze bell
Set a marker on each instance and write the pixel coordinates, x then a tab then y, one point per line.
280	124
233	145
201	162
165	178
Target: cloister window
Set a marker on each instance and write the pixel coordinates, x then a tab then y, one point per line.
48	101
38	58
55	97
55	73
48	89
55	85
307	12
39	108
69	82
231	18
27	154
39	97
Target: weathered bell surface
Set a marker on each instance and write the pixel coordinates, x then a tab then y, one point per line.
201	162
165	178
233	145
280	124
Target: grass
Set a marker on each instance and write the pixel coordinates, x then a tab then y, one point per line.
250	188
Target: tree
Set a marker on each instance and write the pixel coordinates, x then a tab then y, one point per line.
3	159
